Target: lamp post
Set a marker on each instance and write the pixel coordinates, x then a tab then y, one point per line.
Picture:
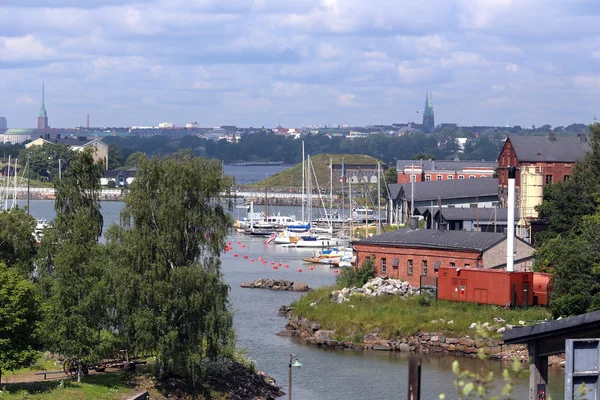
290	365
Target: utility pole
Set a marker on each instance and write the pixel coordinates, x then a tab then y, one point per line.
412	189
28	177
378	198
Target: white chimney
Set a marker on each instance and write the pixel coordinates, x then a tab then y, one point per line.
510	223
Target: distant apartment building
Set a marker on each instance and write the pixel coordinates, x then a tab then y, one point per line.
445	170
165	125
16	135
192	125
540	160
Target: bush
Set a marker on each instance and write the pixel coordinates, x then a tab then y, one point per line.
112	184
356	277
569	305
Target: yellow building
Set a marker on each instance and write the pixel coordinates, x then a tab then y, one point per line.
99	148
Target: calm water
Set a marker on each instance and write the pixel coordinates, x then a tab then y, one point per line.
325	374
245	175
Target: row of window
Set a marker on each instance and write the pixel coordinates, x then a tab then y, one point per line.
450	177
410	268
549	178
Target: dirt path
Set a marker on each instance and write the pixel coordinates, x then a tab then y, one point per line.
32	376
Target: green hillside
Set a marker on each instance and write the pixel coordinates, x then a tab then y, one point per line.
292	177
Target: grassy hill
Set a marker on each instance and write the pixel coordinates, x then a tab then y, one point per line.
292	177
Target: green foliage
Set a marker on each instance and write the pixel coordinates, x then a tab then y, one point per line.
17	245
72	268
170	295
20	314
570	248
480	384
115	158
356	277
43	160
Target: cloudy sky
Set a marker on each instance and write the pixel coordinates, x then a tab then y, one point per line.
251	62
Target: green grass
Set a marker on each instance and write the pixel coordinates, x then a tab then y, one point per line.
292	177
393	316
93	387
40	364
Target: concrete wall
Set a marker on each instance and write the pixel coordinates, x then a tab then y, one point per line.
497	255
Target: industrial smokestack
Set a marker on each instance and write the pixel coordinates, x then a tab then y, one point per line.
87	121
510	224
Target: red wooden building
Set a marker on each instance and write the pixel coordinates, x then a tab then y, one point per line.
410	254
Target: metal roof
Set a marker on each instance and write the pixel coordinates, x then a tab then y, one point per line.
541	148
453	189
570	327
471	214
433	238
444	165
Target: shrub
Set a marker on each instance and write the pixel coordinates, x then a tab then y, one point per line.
570	305
356	277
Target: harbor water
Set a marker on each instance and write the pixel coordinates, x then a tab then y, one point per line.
326	373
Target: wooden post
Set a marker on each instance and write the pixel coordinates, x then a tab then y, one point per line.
414	378
538	371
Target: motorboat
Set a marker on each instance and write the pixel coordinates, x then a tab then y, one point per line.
318	241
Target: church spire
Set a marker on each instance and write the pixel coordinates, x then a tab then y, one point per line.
43	116
428	119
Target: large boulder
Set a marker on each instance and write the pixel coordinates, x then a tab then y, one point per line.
300	287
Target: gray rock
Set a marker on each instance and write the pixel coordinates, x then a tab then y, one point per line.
300	287
404	347
501	330
473	325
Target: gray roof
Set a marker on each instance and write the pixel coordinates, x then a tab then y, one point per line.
448	165
471	214
541	148
454	189
433	238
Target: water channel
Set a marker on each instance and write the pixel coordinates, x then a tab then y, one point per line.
325	374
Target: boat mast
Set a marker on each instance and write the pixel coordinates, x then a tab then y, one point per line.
343	202
303	179
350	208
266	198
28	177
378	198
330	186
309	190
7	184
14	201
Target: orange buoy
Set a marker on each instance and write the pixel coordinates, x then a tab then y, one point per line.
335	271
310	268
245	256
243	246
235	255
299	269
259	258
264	261
272	262
279	264
252	260
286	266
238	242
228	243
274	266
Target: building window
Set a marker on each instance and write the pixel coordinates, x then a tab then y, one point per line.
548	178
427	178
471	176
438	177
424	267
467	265
383	265
452	264
450	177
413	178
566	177
409	269
461	177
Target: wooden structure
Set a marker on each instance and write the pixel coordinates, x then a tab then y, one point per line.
549	338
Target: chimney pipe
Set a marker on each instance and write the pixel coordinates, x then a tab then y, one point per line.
414	223
510	223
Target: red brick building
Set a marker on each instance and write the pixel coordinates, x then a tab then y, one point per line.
432	170
409	254
550	158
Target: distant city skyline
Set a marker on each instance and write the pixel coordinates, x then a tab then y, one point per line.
309	62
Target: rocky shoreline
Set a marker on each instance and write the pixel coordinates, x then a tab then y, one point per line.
424	342
276	284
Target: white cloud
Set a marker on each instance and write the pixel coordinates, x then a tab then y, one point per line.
512	67
346	100
587	82
24	48
24	99
410	74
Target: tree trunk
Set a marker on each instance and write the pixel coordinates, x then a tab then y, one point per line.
79	372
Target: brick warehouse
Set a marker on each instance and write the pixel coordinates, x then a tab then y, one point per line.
409	254
540	160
